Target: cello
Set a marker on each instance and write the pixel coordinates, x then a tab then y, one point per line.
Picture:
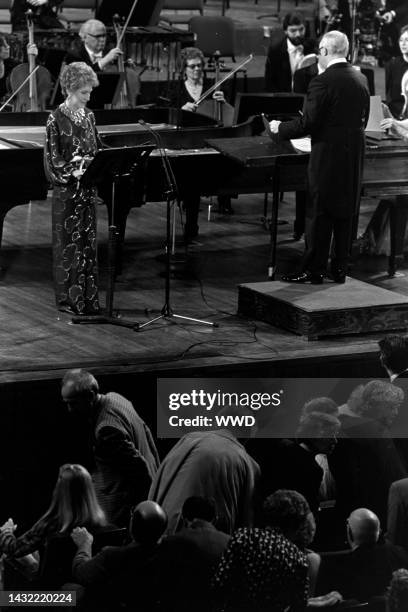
131	86
218	109
32	96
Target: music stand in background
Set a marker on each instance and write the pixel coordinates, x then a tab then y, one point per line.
115	164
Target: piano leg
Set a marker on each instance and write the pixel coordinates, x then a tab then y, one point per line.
398	224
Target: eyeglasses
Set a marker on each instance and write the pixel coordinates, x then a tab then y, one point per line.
96	35
192	66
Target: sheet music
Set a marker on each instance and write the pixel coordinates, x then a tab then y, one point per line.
302	145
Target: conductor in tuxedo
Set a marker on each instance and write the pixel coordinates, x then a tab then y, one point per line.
285	54
90	51
335	115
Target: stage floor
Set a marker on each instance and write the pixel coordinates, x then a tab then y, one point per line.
40	342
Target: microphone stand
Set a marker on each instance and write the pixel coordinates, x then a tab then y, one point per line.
171	194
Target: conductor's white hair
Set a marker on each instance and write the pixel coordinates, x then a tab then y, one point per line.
336	43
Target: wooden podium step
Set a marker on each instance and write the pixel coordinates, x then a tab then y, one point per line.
330	309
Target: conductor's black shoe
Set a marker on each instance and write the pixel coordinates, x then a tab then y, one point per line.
339	276
303	277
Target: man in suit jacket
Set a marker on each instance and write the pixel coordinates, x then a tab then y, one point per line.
335	115
124	452
111	574
93	36
366	569
285	54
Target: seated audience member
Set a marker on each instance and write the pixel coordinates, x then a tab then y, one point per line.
289	512
365	570
186	561
397	522
209	464
73	504
262	569
394	355
298	468
366	460
121	573
285	54
397	594
93	37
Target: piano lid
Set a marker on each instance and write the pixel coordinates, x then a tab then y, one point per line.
252	151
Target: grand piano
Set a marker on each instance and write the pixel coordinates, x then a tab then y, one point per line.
207	158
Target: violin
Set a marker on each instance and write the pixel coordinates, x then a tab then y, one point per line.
33	95
219	110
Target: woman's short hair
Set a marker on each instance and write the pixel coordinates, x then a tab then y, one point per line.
190	53
403	30
76	75
74	502
379	398
289	511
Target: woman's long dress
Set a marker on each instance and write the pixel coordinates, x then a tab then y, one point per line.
75	269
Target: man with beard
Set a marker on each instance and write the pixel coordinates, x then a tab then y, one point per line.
285	54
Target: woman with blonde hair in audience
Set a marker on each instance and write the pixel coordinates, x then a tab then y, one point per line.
73	504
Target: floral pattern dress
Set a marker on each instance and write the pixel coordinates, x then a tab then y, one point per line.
69	134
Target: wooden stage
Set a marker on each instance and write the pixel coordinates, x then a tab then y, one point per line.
38	342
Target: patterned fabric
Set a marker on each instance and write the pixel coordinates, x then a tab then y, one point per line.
261	570
73	210
28	542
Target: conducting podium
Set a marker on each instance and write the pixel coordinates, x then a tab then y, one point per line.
113	165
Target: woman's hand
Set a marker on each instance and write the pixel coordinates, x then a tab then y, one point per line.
388	123
32	49
8	527
78	173
218	96
189	106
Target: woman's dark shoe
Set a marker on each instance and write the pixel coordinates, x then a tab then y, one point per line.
303	277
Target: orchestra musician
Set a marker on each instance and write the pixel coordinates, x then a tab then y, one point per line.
186	93
71	142
285	54
7	64
44	14
93	37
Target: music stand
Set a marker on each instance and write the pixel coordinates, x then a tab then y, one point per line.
115	164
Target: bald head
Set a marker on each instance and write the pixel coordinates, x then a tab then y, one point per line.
363	527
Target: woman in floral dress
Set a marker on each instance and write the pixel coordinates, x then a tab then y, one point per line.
71	143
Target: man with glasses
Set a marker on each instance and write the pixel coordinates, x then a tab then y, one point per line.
335	115
285	55
93	35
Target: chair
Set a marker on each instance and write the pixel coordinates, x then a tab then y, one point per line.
181	5
59	551
214	34
77	11
5	17
217	34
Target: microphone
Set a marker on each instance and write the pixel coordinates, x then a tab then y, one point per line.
172	191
